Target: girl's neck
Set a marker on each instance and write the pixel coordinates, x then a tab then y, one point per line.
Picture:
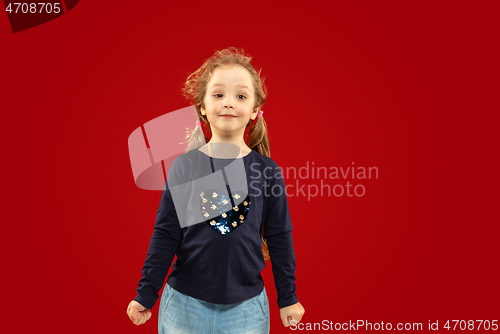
238	141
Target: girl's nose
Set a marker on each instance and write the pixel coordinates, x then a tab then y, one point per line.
228	105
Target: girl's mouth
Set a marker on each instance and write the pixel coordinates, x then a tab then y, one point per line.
227	116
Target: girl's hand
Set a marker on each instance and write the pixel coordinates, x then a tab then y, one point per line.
292	314
138	313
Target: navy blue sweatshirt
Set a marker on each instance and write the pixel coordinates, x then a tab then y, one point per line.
220	260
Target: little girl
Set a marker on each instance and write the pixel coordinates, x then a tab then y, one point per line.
235	218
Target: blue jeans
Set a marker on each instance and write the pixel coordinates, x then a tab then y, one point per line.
182	314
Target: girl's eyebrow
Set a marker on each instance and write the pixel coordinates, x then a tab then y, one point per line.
222	85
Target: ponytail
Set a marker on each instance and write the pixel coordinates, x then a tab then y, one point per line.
195	138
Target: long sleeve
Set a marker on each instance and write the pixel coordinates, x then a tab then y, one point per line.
283	264
162	248
277	231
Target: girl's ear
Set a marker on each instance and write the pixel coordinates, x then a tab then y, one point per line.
254	114
202	110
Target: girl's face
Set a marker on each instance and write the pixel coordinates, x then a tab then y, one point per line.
230	100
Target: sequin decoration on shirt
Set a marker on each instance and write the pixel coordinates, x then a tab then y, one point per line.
226	217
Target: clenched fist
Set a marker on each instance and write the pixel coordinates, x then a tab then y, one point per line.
138	313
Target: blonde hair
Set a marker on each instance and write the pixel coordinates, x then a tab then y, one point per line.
195	90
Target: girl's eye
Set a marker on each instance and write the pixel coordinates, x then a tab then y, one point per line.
242	96
218	95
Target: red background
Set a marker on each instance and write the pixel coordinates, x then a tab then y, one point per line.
409	88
